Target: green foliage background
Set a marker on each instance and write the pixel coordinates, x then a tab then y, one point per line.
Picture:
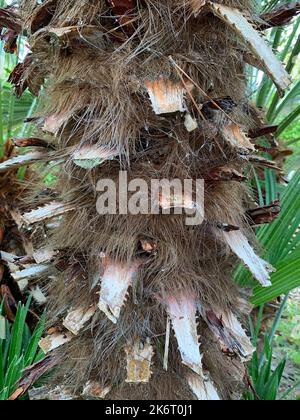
280	241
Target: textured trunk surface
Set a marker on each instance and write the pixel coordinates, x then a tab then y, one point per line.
144	306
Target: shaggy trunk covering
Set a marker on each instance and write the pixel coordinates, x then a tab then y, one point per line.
145	306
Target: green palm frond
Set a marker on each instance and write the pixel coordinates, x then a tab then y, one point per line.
18	349
281	242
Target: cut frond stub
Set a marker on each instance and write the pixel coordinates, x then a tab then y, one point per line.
235	136
236	20
139	360
44	255
240	246
30	272
229	332
54	341
78	318
22	160
265	214
225	173
182	311
30	142
166	96
46	212
202	388
116	280
280	16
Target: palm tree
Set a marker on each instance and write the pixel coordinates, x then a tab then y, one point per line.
145	306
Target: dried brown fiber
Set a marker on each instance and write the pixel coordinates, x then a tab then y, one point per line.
106	65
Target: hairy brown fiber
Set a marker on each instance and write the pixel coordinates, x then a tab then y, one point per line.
144	306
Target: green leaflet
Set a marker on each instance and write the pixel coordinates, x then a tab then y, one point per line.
280	241
18	349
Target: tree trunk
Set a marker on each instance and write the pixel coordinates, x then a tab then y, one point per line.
144	306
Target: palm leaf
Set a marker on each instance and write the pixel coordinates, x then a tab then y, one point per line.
280	241
18	349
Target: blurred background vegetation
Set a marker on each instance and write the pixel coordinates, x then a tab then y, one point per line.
275	324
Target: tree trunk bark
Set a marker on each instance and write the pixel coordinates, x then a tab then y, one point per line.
144	306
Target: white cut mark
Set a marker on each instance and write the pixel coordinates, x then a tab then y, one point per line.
240	246
116	280
91	156
22	160
182	311
46	212
95	390
166	96
234	135
190	123
30	272
54	341
139	360
38	296
202	388
78	318
235	19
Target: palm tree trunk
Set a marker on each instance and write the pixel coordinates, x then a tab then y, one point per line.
145	306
